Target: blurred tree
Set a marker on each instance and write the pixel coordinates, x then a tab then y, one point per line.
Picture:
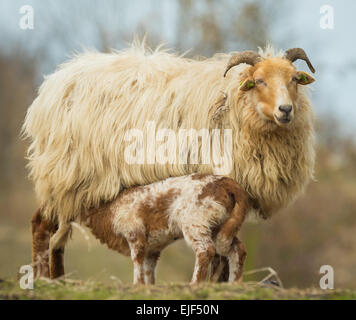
251	25
17	90
209	26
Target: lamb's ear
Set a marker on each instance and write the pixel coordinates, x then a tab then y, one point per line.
247	84
304	78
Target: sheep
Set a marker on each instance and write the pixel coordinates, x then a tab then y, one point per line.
78	122
206	210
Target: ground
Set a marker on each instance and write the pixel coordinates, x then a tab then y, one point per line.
83	290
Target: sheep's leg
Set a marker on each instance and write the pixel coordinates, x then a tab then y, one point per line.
137	243
40	245
204	249
224	276
236	258
56	250
220	269
56	263
215	268
234	262
41	232
150	264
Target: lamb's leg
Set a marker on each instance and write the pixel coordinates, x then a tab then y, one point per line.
56	250
220	269
224	276
226	235
41	232
150	264
215	268
203	257
236	257
204	249
137	243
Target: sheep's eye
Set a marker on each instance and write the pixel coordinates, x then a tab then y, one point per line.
260	81
294	79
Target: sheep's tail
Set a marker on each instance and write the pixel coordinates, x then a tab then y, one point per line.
232	225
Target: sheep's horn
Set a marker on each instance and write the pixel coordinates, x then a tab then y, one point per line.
248	57
298	53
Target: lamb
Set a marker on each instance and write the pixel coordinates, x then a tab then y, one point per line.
78	122
206	210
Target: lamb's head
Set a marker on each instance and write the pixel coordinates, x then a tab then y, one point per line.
272	84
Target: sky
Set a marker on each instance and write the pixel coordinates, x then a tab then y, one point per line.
332	51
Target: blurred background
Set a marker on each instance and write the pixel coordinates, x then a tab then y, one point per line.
319	229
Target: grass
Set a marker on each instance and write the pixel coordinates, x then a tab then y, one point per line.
84	290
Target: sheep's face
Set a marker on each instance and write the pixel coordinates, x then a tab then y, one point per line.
273	86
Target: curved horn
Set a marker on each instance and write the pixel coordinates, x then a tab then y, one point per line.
248	57
298	53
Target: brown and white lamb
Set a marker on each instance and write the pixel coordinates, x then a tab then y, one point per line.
206	210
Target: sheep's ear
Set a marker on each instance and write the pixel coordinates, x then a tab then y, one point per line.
304	78
247	85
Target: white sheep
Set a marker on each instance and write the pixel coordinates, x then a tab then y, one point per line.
78	123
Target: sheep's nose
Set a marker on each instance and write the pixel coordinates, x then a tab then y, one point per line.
286	108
